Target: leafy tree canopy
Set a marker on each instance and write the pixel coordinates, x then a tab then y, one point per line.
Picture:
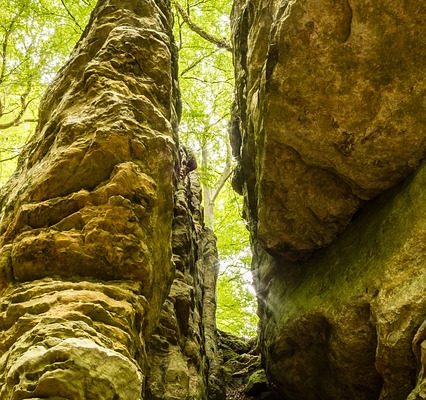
36	37
207	85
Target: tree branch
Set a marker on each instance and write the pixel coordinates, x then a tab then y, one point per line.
195	63
24	105
226	173
10	158
72	16
221	43
7	33
194	78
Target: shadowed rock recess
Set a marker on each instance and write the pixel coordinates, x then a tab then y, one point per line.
329	131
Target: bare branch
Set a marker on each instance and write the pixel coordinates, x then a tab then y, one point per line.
72	16
9	158
7	33
221	43
194	78
24	105
226	173
16	67
195	63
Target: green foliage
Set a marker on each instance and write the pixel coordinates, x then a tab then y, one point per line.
36	37
236	306
236	311
207	83
206	80
230	228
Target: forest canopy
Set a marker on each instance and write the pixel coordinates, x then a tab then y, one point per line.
37	36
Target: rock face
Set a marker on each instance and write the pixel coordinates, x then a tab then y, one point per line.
330	114
101	223
182	351
243	376
330	97
347	323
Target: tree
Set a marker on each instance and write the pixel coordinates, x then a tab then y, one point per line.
206	80
36	37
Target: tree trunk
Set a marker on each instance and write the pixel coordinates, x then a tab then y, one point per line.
210	193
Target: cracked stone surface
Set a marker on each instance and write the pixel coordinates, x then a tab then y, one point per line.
328	130
330	103
349	322
107	274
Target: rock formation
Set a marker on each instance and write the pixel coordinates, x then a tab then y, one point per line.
330	104
182	350
107	273
242	373
330	96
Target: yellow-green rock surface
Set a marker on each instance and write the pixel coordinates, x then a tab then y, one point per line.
107	274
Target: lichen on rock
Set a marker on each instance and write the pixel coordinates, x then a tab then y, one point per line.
329	96
330	99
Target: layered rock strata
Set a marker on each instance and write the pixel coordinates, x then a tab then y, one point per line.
183	362
92	240
329	118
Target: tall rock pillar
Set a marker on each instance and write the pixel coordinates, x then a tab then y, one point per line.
87	219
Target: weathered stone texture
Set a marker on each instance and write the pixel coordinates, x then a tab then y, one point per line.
72	340
93	195
101	195
243	377
330	110
182	350
347	323
330	95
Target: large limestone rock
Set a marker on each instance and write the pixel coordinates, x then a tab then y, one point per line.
93	195
330	97
72	340
330	122
101	223
347	324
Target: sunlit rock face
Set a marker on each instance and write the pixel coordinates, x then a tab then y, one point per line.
93	195
330	99
91	230
72	340
330	122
